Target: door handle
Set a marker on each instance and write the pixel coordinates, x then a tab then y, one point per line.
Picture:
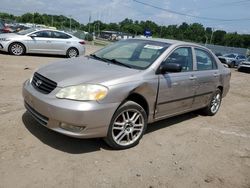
48	41
216	74
192	77
175	84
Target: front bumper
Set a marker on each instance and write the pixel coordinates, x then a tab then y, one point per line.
244	67
4	46
93	117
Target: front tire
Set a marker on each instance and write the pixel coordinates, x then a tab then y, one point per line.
127	126
16	49
214	104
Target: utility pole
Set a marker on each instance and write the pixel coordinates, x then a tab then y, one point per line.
70	22
206	40
89	20
33	20
161	32
211	38
98	28
52	21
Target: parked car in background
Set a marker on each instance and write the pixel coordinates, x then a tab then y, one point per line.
4	28
218	54
42	41
232	59
115	92
18	27
244	66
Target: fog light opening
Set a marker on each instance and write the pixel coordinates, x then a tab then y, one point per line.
71	128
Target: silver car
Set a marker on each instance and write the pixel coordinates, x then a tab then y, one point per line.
42	41
232	60
115	92
244	66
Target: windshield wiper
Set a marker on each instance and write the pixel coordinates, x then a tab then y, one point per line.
114	61
97	57
118	62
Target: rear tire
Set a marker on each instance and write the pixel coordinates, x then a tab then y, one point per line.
16	49
214	104
72	52
127	126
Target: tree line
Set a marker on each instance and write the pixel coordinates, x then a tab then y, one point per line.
194	32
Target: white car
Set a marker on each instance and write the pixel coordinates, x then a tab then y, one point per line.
244	66
42	41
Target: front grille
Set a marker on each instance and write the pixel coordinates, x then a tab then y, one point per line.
39	117
42	84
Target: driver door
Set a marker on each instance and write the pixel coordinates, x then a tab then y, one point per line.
41	43
176	90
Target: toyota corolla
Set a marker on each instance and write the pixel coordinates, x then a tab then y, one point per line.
115	92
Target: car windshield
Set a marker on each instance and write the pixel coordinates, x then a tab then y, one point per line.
230	55
132	53
24	32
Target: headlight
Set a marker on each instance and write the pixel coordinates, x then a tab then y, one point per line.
84	92
228	60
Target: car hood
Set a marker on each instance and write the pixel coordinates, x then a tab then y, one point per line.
85	70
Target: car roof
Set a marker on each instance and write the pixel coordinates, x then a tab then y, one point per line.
172	42
47	29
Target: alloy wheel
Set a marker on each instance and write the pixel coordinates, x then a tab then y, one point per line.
72	53
215	104
17	49
128	127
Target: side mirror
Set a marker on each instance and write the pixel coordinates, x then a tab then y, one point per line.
169	67
33	35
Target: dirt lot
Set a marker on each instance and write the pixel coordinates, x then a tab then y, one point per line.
186	151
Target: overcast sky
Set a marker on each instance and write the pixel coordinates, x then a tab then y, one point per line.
116	10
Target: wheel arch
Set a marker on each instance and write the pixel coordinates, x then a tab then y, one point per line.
139	99
25	47
72	47
220	88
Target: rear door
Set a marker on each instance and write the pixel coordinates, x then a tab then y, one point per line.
60	42
176	90
207	76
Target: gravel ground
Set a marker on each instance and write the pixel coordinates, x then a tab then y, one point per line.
186	151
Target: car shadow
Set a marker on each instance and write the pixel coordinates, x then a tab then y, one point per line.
36	55
78	146
59	141
171	121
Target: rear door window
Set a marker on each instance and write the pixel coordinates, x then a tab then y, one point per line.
204	60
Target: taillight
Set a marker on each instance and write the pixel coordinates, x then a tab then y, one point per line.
82	42
6	30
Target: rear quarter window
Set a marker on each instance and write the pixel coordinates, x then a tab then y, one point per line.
60	35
